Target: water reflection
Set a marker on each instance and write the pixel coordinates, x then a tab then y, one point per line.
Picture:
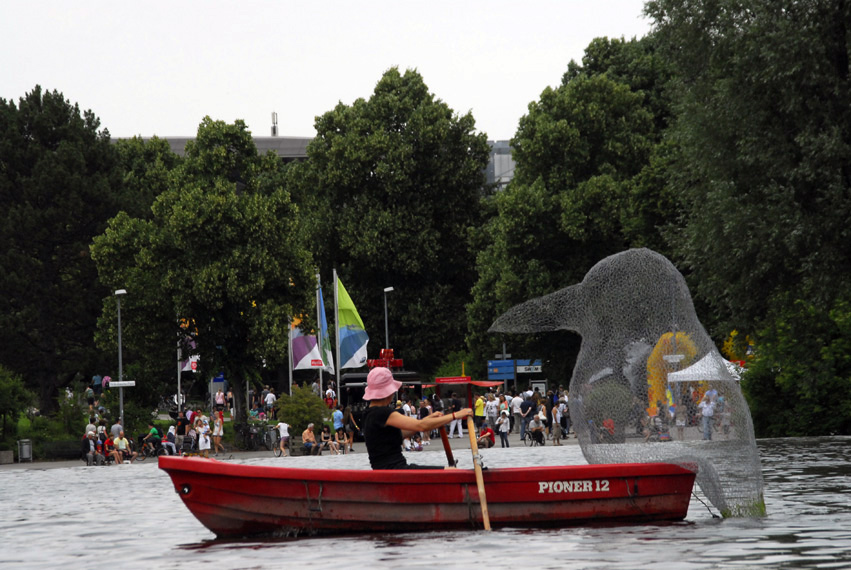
83	517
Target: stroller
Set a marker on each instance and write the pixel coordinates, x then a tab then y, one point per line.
190	444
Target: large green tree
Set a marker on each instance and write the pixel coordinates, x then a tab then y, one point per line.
762	140
146	167
586	185
763	136
223	253
59	184
392	184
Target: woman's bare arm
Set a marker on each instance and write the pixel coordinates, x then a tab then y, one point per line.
410	425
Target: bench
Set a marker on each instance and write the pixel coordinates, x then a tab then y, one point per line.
62	449
295	447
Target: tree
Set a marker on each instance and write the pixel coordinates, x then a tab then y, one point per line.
59	184
762	137
800	382
146	167
14	400
586	186
393	186
224	254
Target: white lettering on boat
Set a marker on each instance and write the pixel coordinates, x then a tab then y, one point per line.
584	486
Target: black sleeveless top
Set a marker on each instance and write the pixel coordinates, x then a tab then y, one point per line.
383	442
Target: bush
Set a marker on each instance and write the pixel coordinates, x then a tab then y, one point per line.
799	383
14	400
71	416
302	408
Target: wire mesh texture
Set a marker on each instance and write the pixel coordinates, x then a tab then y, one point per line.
649	385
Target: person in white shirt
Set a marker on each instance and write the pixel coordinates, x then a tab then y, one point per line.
516	412
270	402
503	424
707	411
284	431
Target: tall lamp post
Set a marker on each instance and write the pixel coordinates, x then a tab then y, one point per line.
118	295
386	327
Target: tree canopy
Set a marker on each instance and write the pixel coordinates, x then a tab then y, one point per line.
223	254
59	184
763	135
392	185
761	140
583	152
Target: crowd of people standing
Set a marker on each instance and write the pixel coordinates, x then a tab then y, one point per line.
495	412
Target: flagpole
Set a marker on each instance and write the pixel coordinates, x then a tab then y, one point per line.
319	333
290	351
337	328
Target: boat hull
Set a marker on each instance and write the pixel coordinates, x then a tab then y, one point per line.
235	500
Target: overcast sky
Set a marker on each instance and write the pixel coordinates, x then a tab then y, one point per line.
156	68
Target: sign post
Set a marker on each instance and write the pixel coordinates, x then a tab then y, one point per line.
118	295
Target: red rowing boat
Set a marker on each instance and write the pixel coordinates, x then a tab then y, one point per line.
238	500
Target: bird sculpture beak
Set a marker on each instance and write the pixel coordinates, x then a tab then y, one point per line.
562	310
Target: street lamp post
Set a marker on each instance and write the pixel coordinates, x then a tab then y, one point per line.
118	295
386	326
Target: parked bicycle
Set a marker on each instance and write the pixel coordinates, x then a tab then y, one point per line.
268	441
250	437
274	437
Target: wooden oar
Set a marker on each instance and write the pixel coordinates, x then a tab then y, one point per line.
480	482
446	447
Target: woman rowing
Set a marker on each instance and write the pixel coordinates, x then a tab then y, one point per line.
384	427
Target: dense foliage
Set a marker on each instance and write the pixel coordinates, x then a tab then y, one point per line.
762	140
800	382
393	184
223	255
59	184
14	400
302	408
584	188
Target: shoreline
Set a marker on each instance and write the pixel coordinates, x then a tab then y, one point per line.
359	448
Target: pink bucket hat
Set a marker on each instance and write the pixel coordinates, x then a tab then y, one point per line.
380	384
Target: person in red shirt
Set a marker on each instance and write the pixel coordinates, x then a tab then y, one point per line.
110	451
487	437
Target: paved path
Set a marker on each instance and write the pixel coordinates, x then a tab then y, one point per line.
359	447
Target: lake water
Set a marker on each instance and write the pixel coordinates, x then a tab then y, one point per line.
130	517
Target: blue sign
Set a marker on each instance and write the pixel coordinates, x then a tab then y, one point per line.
500	370
528	366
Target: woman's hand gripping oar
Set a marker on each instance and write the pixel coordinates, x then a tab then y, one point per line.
477	466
